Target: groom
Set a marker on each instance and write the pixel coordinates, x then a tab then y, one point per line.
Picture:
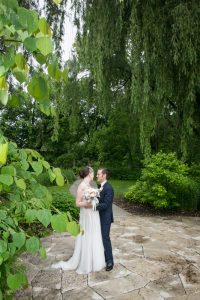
106	214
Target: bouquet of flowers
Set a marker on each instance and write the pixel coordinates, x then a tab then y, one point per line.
91	196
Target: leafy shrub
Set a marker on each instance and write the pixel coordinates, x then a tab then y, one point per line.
24	201
165	183
64	201
44	179
195	172
124	173
65	160
69	175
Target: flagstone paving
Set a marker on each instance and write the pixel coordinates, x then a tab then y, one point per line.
155	257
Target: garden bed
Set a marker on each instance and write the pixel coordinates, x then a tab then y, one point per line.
148	210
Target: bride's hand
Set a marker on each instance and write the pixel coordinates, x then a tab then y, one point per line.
88	205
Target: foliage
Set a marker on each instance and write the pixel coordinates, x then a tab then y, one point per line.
69	175
64	201
24	200
124	173
165	183
149	52
120	186
44	179
22	28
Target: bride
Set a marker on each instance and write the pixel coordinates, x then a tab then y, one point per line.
88	254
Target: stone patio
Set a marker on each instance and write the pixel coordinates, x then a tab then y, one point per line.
156	258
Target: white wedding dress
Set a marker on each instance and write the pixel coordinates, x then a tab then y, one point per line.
88	254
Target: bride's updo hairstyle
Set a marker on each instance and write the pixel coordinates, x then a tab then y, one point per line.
85	172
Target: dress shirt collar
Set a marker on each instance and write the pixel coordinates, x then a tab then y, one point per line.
102	184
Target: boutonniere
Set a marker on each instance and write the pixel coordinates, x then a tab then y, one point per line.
101	189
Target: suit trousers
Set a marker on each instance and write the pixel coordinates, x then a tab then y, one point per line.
105	231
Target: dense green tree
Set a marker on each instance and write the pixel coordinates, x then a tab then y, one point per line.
152	49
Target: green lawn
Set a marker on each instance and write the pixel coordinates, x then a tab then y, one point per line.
120	186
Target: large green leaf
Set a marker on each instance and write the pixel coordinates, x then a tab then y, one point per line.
7	60
60	180
10	221
6	255
23	154
1	295
10	170
2	70
10	3
6	179
22	34
42	192
3	246
44	216
30	44
25	165
45	164
14	101
3	153
3	83
31	215
6	234
54	71
4	96
32	244
45	45
59	177
37	167
44	26
38	202
59	223
38	88
20	75
28	19
12	249
45	109
16	281
20	61
52	176
19	239
20	183
73	228
41	59
43	252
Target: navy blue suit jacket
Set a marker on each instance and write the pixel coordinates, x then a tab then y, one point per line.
105	204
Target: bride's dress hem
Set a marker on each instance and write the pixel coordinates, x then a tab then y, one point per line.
60	265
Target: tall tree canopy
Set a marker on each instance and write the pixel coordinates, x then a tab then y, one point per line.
149	50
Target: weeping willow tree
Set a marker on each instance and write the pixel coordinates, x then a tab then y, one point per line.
148	49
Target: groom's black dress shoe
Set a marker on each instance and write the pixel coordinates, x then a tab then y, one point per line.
109	266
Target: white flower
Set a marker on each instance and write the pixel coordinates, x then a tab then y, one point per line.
91	196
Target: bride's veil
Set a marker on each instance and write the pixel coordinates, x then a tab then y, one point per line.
74	187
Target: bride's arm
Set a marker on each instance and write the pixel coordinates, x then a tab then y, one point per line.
79	197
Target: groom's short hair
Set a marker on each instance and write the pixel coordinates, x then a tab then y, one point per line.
105	171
